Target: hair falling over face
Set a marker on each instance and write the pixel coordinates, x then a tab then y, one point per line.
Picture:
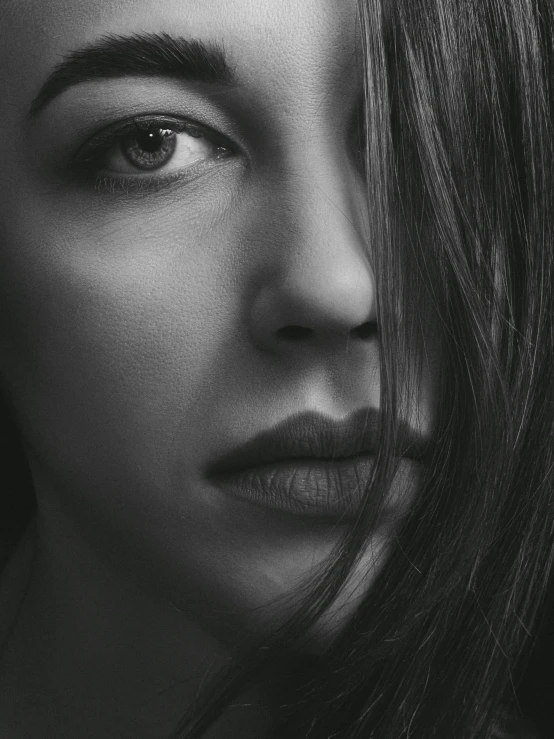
459	131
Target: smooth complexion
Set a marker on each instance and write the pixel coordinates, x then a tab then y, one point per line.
141	331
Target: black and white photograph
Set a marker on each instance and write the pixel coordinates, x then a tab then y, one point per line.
276	369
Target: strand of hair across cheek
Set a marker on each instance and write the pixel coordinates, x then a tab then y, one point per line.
459	116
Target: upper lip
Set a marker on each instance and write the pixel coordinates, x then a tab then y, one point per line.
316	436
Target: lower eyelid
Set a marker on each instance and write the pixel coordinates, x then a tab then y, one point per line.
149	184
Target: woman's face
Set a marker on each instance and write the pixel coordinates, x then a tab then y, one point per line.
174	288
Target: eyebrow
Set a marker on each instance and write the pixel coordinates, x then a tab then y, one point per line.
141	54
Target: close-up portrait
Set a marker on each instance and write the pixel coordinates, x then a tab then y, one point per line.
276	369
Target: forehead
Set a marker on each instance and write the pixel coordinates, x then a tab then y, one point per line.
274	45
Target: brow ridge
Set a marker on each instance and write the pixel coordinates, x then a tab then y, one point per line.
140	54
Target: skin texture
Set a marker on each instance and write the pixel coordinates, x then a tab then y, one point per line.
139	339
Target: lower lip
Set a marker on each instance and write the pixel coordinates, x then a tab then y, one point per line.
328	490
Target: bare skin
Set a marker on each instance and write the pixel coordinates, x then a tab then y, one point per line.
139	338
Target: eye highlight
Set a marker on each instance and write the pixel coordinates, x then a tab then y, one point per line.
149	150
141	146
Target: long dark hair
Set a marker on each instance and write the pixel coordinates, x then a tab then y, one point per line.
460	170
459	162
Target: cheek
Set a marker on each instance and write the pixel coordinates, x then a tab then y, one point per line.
110	338
107	328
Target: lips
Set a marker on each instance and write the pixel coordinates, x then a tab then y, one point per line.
312	465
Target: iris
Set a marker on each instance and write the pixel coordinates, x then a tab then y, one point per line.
149	150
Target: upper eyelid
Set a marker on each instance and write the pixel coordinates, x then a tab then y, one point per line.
113	131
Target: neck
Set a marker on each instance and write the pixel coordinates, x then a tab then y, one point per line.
92	653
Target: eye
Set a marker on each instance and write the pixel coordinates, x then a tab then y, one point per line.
141	146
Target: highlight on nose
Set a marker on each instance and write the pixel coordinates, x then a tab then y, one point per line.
316	303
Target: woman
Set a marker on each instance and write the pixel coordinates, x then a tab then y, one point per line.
276	345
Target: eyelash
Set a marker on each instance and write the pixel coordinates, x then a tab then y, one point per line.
88	157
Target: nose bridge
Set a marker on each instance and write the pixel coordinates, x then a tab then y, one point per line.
327	211
322	282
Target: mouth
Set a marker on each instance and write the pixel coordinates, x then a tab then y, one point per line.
314	466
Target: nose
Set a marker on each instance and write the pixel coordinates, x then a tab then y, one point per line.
320	288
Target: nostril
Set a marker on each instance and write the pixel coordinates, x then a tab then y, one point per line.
301	333
366	330
295	333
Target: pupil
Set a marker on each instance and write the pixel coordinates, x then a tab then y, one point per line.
150	142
